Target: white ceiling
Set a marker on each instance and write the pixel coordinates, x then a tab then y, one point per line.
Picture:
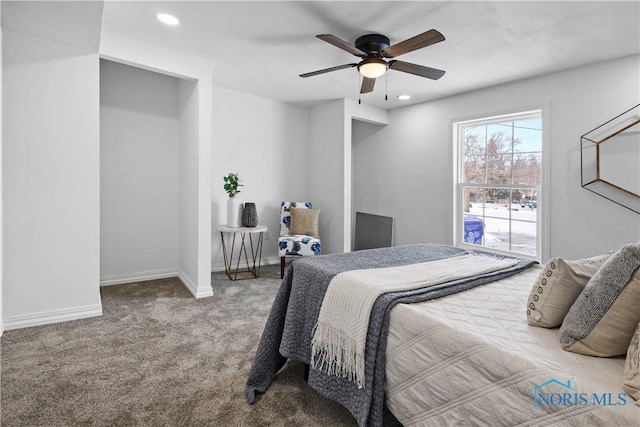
262	47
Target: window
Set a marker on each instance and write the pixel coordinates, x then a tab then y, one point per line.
498	183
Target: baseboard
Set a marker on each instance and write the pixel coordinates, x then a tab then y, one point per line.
265	261
120	279
217	268
197	292
54	316
158	274
271	261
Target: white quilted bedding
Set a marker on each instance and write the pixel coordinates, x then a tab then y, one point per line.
470	359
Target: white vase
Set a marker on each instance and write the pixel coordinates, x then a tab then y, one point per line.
234	211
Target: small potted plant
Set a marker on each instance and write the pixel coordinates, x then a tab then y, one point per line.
234	203
231	184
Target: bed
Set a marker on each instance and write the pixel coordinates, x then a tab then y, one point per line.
456	353
488	363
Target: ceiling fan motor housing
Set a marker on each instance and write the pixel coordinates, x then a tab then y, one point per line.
372	43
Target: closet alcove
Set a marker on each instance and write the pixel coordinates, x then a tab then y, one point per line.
144	167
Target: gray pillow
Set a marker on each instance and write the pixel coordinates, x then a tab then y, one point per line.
605	315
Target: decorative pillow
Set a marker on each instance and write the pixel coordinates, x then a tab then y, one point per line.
605	315
285	214
557	287
632	368
304	221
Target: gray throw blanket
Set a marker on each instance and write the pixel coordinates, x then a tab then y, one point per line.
295	311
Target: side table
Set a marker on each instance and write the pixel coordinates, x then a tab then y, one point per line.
249	250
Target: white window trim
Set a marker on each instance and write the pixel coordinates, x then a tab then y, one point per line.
543	216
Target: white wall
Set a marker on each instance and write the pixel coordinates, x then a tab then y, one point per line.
139	174
50	169
266	143
409	163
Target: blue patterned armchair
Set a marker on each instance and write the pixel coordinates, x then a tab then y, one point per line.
303	240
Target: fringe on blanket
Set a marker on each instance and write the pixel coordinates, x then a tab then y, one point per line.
336	354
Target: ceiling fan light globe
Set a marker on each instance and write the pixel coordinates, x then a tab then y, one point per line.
372	68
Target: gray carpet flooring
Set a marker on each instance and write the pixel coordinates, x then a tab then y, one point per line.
157	357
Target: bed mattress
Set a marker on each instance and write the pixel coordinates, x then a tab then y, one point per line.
472	359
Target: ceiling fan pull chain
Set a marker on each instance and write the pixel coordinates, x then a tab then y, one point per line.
386	87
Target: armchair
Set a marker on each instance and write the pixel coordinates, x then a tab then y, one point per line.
299	236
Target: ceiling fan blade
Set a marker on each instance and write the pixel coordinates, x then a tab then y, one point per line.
417	42
328	70
330	38
367	85
418	70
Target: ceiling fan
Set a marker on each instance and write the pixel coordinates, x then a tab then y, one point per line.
373	48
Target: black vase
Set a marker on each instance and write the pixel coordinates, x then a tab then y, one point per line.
249	215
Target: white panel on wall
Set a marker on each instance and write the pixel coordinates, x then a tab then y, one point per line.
140	138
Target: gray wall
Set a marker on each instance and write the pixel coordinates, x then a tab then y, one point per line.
405	168
266	143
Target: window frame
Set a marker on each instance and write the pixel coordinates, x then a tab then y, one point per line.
542	209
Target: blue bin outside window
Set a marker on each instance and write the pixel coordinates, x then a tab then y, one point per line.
473	230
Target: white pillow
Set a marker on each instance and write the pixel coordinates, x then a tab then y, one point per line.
557	287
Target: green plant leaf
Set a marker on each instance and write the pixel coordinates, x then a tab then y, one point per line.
232	183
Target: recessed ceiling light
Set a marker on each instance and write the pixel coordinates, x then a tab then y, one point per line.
404	97
166	18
